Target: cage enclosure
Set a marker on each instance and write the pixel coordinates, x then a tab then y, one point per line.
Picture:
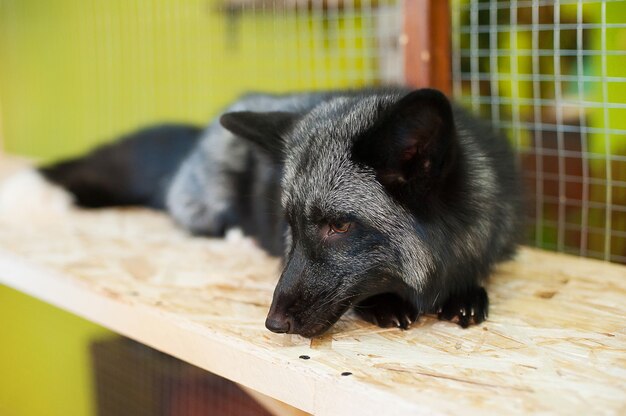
77	74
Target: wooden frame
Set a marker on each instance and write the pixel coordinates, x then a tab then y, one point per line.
426	43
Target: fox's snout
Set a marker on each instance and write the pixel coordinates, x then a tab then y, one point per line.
292	313
279	322
278	319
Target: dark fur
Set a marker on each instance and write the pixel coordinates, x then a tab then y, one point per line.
135	170
429	193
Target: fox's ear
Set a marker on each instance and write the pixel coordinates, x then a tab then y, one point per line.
266	130
414	140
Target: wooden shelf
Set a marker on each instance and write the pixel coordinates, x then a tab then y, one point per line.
555	341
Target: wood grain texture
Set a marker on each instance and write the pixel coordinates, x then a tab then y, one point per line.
555	341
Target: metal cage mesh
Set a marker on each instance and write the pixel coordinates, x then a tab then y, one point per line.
552	75
114	66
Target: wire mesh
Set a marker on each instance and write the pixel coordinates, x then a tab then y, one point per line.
552	75
134	379
77	73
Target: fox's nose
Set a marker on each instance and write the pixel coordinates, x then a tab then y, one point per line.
280	323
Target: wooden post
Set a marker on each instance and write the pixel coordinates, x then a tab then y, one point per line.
426	42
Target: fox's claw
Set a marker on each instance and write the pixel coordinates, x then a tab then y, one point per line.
471	307
387	311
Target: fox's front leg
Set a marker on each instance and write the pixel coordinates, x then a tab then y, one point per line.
465	308
387	311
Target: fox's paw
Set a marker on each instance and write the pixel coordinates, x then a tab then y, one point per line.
470	307
387	311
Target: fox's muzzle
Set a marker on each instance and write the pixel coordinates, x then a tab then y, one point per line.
304	299
278	318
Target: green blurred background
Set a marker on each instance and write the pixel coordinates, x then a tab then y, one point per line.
76	73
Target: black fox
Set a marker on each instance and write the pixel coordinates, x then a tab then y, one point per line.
389	201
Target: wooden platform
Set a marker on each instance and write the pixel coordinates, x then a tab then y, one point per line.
555	341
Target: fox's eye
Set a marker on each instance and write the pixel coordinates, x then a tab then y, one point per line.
338	228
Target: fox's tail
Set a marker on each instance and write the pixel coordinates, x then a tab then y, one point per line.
135	170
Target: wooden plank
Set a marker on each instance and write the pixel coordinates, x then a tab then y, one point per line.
427	44
555	341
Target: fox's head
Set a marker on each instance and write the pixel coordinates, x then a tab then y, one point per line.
356	170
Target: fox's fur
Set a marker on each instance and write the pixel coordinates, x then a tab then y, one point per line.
390	201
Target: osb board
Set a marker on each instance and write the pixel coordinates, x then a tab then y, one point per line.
555	340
